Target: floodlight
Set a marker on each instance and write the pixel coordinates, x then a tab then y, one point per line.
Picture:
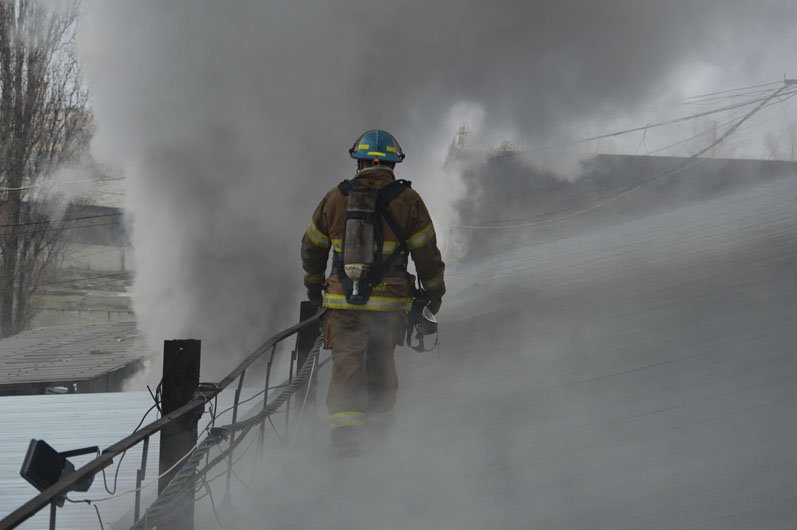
44	466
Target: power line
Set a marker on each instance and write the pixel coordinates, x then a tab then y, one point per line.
772	83
691	161
56	183
58	229
686	118
63	219
100	276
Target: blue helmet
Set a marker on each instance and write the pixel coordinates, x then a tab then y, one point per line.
377	145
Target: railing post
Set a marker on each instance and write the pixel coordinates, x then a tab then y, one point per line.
141	474
226	501
180	380
305	339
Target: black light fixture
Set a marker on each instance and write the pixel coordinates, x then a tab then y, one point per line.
44	466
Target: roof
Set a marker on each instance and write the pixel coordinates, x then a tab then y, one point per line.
68	422
69	353
79	420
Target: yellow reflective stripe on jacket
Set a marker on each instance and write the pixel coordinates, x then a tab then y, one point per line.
374	303
433	283
318	238
421	238
388	247
346	419
313	278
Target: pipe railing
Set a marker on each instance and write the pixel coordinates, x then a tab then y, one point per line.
205	394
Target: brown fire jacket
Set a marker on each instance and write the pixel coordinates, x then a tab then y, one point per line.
412	218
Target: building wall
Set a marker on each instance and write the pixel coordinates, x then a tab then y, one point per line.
101	258
58	317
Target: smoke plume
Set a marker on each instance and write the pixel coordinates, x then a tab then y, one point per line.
231	120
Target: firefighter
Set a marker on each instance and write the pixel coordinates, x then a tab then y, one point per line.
372	223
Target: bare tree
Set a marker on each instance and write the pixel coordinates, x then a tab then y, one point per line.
44	123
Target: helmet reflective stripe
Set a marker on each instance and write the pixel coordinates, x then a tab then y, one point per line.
377	144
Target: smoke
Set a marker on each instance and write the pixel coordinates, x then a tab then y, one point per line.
232	120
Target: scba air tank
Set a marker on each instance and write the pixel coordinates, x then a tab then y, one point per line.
358	242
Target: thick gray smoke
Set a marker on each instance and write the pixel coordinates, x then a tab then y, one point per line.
232	119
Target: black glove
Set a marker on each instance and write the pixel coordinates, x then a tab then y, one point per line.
434	306
314	295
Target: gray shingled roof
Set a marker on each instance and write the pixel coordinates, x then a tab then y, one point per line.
69	353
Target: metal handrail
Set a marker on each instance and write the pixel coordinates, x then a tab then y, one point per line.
199	400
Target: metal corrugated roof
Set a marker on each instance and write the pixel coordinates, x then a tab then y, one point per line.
68	422
79	420
69	353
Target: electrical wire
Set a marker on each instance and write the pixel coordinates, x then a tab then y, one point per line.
213	506
255	396
684	118
304	403
772	83
173	496
691	161
122	457
11	234
61	282
89	502
64	219
56	184
151	482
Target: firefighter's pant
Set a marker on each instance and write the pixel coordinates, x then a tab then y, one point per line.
364	380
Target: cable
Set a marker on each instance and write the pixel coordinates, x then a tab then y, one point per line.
97	277
117	275
247	400
56	184
6	234
213	506
772	83
122	457
102	527
64	219
173	496
686	118
691	161
89	502
304	403
148	484
152	481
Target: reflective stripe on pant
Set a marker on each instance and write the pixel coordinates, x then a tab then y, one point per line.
363	367
347	418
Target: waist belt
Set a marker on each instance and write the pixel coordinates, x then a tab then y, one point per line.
397	268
